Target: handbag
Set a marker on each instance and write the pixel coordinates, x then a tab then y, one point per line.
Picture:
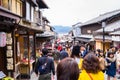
90	76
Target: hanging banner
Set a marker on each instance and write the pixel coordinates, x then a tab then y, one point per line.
2	39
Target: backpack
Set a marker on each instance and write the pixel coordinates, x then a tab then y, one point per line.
42	67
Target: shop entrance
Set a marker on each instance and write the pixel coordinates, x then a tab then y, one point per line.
3	60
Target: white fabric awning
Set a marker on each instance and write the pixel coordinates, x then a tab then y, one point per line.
85	36
115	33
116	38
101	37
45	34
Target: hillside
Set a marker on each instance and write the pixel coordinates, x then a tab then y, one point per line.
62	29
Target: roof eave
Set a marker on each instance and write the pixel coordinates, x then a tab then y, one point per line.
42	4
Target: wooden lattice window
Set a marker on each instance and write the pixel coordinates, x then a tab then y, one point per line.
6	4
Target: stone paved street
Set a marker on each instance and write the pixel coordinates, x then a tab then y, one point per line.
33	77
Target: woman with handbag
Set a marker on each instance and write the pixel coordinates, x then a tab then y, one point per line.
90	68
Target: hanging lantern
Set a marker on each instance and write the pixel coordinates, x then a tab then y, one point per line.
2	39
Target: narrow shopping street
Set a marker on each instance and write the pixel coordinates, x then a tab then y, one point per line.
76	39
34	77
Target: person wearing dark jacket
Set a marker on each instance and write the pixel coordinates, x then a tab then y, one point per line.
83	51
48	63
63	54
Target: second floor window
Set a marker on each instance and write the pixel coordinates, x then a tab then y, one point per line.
6	4
19	7
32	14
28	11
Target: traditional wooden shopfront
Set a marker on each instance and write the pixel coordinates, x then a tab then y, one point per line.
8	23
18	55
25	39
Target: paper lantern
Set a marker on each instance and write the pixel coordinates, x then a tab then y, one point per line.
2	39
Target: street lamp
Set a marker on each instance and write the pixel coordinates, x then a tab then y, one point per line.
103	27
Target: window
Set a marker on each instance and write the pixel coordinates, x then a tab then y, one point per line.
32	14
28	11
6	4
13	9
89	31
19	8
77	31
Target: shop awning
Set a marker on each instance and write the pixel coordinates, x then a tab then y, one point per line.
116	33
45	34
100	37
6	13
24	29
84	38
116	38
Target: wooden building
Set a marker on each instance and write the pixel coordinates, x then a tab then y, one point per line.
19	21
10	15
92	30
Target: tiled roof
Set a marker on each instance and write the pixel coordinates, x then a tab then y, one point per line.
102	17
111	27
42	4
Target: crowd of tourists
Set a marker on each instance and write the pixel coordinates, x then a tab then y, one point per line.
78	62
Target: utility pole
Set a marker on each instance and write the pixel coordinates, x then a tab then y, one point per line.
103	27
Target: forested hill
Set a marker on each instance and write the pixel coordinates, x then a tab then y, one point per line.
62	29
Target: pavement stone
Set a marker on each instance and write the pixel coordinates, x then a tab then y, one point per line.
34	77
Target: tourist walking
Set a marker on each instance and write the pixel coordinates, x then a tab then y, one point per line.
63	53
76	55
102	61
56	55
44	66
111	66
67	69
83	51
90	68
118	62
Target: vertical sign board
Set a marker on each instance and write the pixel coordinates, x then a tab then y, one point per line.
2	39
9	52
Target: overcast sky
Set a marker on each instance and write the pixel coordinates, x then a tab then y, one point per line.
69	12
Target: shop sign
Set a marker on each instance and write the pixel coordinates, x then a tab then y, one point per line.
2	39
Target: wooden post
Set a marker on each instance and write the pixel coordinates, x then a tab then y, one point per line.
28	52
